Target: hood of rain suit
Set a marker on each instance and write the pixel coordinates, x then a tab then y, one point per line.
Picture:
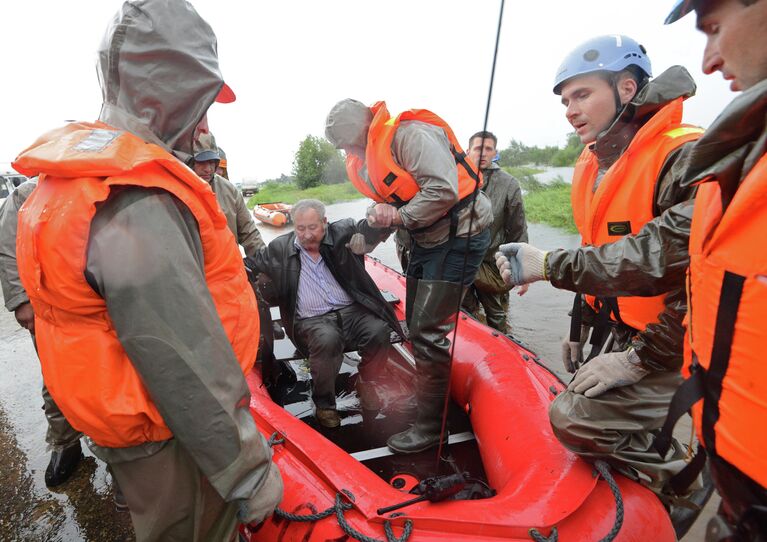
347	124
159	74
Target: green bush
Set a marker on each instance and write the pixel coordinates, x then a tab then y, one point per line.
549	203
291	193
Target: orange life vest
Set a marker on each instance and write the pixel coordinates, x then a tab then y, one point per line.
727	329
388	181
625	198
84	365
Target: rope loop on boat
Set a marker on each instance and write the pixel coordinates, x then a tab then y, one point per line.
604	470
275	439
344	500
538	537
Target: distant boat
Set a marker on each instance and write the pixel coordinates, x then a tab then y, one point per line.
276	214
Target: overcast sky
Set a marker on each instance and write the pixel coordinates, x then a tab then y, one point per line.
289	61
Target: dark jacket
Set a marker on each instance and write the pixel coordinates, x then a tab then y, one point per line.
281	262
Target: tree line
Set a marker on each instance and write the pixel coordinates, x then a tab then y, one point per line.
317	162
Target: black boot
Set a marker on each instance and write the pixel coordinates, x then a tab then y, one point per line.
684	514
62	464
433	317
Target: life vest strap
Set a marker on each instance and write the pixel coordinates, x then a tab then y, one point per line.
724	330
460	159
704	384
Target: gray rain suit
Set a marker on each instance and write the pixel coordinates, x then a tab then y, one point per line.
60	433
159	74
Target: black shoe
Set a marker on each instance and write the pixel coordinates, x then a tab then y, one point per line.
62	464
683	515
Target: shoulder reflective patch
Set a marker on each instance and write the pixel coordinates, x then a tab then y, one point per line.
97	141
619	228
391	121
683	131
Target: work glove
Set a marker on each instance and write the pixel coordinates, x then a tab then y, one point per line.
572	351
520	263
261	505
357	244
608	371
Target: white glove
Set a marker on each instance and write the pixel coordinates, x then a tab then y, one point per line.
608	371
572	351
520	263
357	244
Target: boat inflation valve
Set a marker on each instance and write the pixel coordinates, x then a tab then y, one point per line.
435	489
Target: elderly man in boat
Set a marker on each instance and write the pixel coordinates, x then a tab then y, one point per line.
328	302
207	159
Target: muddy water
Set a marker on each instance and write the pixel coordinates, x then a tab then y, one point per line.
82	509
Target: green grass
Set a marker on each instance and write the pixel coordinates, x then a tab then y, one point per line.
290	193
548	203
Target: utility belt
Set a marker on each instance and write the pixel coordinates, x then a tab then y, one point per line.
608	318
452	215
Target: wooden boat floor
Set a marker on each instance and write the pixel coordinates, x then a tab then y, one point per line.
364	433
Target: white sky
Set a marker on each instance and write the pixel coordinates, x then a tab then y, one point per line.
289	61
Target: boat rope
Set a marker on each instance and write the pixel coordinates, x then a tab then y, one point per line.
275	439
341	505
604	470
538	537
474	195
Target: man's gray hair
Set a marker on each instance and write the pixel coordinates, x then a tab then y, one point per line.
306	204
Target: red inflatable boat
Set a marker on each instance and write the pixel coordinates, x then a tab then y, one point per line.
500	436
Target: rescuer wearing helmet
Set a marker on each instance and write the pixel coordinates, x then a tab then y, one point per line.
634	136
717	243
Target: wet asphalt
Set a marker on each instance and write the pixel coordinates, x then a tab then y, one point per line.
82	509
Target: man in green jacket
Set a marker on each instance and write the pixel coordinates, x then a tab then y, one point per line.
508	226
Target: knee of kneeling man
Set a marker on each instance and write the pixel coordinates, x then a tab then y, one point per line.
563	417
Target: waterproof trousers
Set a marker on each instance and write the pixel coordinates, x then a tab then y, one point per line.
326	337
496	307
437	277
620	425
60	434
170	500
744	502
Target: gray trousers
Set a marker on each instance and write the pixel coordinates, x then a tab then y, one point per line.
170	500
326	337
619	426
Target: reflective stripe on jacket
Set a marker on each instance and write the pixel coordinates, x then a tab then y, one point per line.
727	332
624	201
85	367
388	181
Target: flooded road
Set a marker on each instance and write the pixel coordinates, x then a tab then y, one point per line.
82	510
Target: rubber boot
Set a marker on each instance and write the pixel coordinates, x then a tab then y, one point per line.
411	289
62	464
433	317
